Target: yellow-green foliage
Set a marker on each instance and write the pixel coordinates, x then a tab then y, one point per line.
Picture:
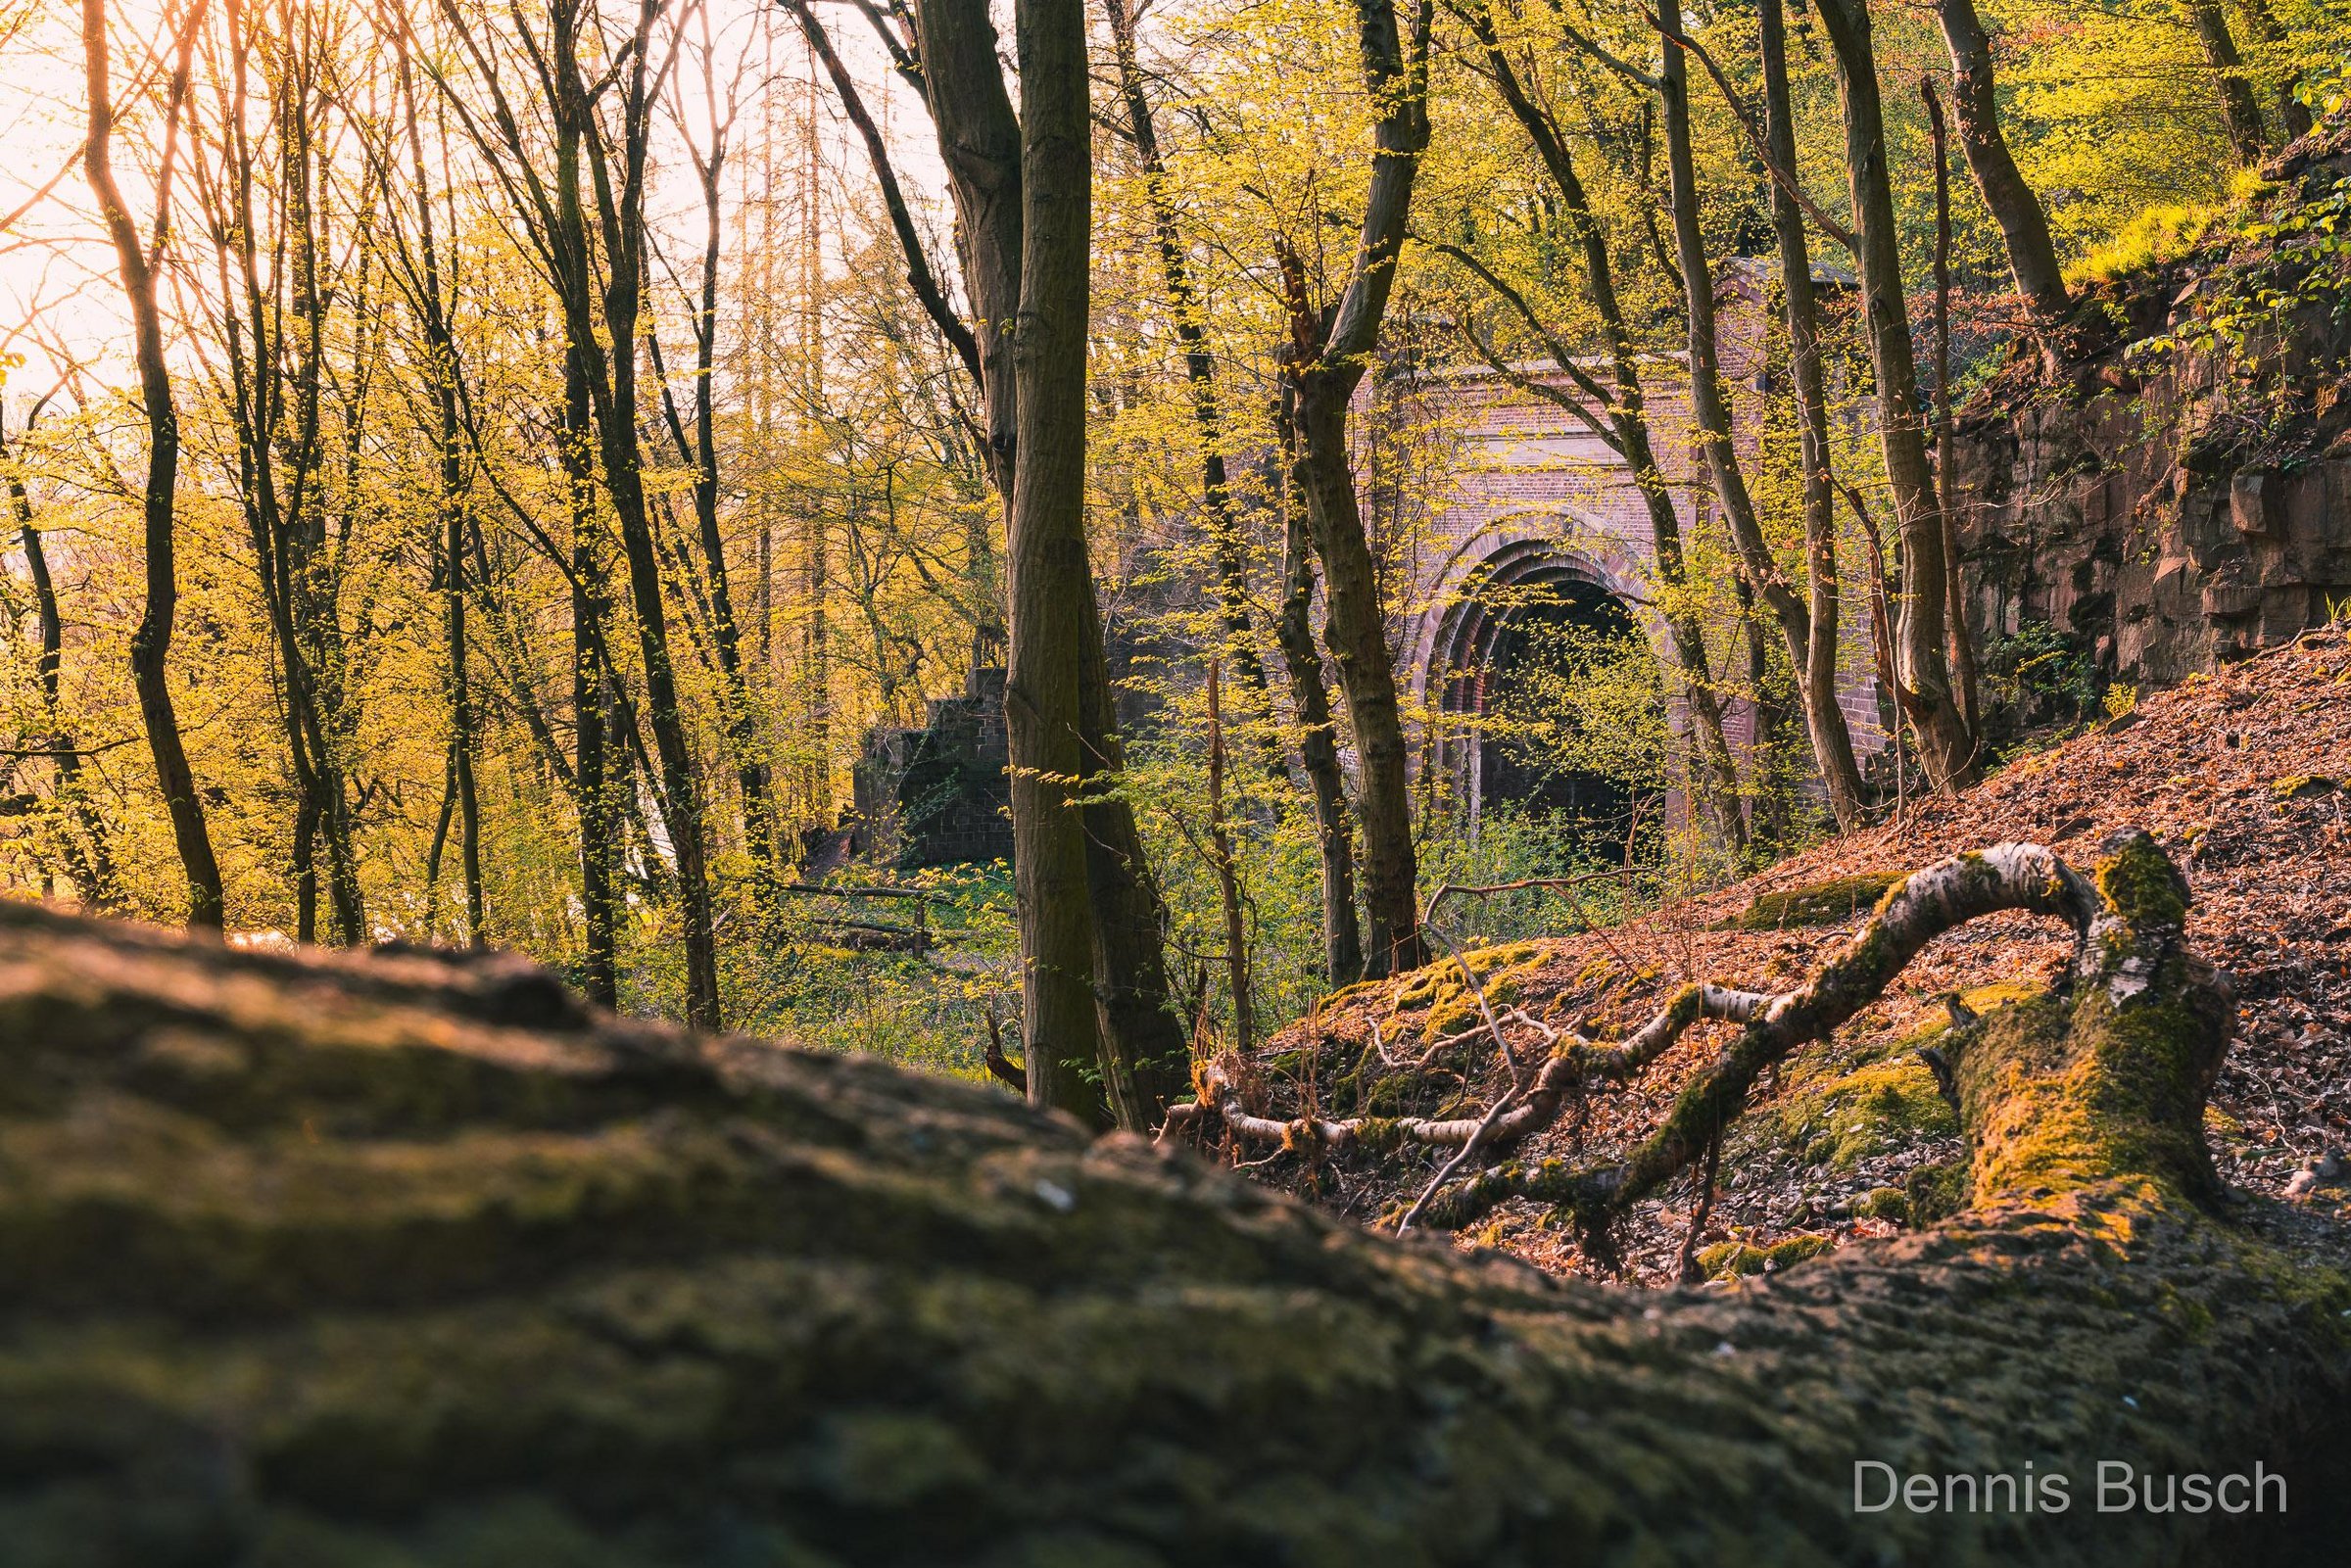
1502	973
2160	233
1817	903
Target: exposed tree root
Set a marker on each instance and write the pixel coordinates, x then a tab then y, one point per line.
1912	914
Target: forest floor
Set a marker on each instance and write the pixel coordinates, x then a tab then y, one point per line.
2245	775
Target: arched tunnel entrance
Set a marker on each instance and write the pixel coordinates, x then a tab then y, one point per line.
1525	629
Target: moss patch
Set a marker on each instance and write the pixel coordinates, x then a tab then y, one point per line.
1738	1260
1840	1114
1817	903
1502	973
1884	1202
2302	786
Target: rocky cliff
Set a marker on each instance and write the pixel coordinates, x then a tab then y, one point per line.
2185	496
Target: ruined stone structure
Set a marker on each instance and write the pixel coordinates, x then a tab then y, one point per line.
1534	514
936	795
1505	510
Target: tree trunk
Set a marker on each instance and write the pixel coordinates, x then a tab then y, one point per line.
846	1313
1230	550
1962	638
1098	878
431	301
1824	720
1354	629
1833	745
1921	668
2238	107
1329	353
612	392
2024	223
600	822
1227	872
1714	779
1317	735
81	831
2293	113
151	643
1054	625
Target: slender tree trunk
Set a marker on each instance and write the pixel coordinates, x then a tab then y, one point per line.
600	822
1227	875
82	833
1824	608
762	833
1921	666
1824	720
1355	630
2293	113
1318	732
1049	575
1330	352
1714	778
151	643
432	301
613	390
2238	107
1199	366
1962	636
1134	1045
2024	223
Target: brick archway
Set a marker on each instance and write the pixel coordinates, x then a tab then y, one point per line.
1469	638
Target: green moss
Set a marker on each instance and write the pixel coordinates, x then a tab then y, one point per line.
1884	1202
1817	903
1935	1192
1840	1118
1795	1249
2140	882
1738	1260
1731	1259
1502	973
2302	786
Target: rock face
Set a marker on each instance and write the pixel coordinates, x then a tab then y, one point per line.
408	1260
2179	509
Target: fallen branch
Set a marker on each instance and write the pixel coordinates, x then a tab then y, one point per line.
1916	911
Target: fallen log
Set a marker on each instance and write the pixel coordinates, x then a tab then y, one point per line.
419	1261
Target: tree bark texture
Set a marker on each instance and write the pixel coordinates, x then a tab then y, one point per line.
151	643
1921	667
1134	1055
2024	223
2238	107
416	1260
1330	351
1318	732
1833	745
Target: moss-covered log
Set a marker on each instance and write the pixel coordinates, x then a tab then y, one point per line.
316	1262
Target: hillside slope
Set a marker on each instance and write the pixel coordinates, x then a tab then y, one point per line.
2247	775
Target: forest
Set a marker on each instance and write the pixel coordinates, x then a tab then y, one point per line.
1218	781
